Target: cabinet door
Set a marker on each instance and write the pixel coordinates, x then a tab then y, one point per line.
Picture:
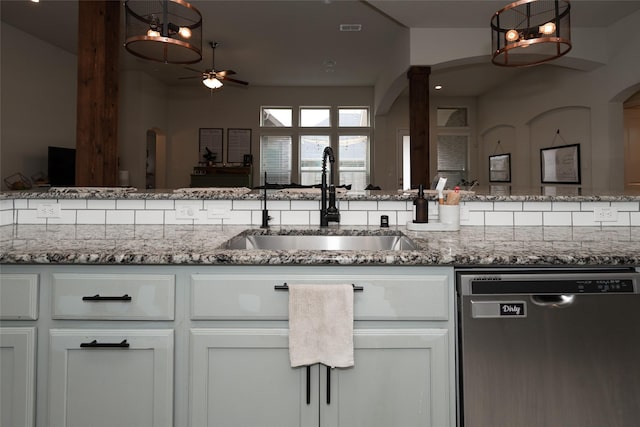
243	378
400	378
17	376
107	378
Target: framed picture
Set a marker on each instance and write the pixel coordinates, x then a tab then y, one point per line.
500	168
560	165
210	145
238	145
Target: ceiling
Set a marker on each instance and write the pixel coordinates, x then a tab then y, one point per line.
298	42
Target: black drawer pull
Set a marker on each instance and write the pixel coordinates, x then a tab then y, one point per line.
328	385
308	385
98	297
285	287
96	344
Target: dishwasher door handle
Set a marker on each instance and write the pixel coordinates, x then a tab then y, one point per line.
553	301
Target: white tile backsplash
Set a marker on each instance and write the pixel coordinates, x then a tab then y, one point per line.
121	216
101	204
498	218
150	217
527	218
306	212
556	218
91	216
536	206
129	204
294	217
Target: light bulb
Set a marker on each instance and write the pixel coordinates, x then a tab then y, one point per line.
185	32
512	35
548	28
153	33
212	83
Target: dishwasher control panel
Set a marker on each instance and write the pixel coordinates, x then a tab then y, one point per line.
547	286
547	282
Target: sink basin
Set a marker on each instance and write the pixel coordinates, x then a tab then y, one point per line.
321	242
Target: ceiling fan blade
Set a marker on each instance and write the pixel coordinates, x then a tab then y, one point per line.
194	70
225	73
234	80
191	77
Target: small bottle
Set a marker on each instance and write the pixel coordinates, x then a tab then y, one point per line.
422	208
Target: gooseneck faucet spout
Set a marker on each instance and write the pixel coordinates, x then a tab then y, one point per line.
328	213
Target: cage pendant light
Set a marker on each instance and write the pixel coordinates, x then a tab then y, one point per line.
167	31
530	32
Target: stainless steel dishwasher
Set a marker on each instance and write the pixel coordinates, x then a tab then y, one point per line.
549	348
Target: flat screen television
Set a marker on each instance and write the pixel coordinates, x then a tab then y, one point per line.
62	166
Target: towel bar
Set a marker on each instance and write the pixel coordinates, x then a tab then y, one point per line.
284	287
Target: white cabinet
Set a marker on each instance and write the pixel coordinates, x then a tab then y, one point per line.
400	377
403	351
17	374
18	313
242	377
106	378
18	296
200	346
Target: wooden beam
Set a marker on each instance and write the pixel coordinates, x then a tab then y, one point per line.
97	107
419	125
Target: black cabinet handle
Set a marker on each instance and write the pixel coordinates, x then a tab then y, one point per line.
328	385
96	344
308	385
98	297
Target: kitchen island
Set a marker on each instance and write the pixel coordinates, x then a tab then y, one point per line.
120	306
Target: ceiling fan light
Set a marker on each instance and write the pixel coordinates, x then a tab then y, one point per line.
212	83
153	33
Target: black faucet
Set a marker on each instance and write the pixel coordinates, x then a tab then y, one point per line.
265	212
328	213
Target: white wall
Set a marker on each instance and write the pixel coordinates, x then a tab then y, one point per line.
38	102
194	107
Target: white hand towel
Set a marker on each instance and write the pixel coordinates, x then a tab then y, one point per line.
321	325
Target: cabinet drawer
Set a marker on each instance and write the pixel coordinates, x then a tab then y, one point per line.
19	296
113	296
398	297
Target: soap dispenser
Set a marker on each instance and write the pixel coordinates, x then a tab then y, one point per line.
422	208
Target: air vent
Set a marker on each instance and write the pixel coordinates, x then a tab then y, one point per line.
350	27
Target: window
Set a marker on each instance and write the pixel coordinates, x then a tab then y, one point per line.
315	128
276	117
275	159
315	117
353	117
452	117
452	158
353	152
311	148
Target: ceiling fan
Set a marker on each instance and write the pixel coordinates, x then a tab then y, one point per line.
211	78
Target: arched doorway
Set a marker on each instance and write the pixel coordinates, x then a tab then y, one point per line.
632	142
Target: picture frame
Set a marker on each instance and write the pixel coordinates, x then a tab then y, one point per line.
500	168
560	165
210	144
238	144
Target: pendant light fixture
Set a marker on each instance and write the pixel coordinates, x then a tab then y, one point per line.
530	32
167	31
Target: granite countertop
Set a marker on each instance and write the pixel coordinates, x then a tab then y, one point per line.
202	245
243	193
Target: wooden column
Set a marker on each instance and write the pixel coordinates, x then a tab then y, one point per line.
97	115
419	125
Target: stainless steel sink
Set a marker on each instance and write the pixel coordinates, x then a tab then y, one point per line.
321	242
